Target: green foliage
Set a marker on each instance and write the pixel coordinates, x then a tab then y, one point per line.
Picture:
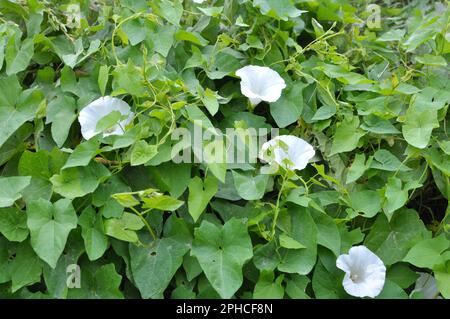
49	226
373	103
221	252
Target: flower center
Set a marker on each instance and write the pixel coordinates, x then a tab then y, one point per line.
356	278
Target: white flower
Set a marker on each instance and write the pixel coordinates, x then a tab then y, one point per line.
260	83
365	272
288	151
199	1
92	113
426	285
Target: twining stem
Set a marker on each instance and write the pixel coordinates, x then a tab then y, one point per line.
277	206
150	230
304	184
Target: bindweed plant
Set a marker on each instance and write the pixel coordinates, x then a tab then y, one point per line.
224	149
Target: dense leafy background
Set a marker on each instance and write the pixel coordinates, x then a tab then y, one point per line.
373	102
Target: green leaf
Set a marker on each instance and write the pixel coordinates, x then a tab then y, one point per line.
76	182
343	75
13	224
326	284
386	161
143	152
103	75
296	287
49	226
347	136
2	51
56	279
357	169
349	238
427	253
17	61
392	240
221	252
289	106
154	266
438	160
289	242
183	292
124	228
318	28
395	195
392	35
6	261
61	112
35	164
12	118
169	10
222	65
442	275
200	193
102	283
163	39
367	202
402	275
135	31
26	268
209	99
83	153
191	267
172	177
433	60
266	256
10	88
324	113
108	121
301	227
278	9
128	78
378	125
193	37
162	202
125	199
11	188
93	233
211	11
267	288
392	291
250	187
214	154
328	233
418	126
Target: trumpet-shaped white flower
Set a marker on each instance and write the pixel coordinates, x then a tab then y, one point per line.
365	272
260	83
426	285
288	151
92	113
199	1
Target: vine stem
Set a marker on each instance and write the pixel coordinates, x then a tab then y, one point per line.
150	230
277	206
304	184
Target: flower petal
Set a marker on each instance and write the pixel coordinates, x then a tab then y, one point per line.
288	147
426	285
96	110
365	272
260	83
